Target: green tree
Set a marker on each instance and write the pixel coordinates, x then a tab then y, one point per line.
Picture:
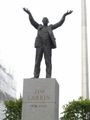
13	109
77	110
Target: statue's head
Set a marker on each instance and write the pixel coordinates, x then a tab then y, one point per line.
45	21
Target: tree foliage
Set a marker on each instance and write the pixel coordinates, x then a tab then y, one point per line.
77	110
13	109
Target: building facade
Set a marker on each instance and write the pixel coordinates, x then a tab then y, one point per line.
7	89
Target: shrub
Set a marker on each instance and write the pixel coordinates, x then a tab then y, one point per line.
13	109
77	110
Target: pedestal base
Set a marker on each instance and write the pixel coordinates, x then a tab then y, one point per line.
40	99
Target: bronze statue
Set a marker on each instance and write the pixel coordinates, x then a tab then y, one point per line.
45	42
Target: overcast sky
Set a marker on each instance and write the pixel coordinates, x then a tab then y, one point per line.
17	37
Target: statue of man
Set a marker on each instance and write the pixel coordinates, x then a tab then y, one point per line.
45	42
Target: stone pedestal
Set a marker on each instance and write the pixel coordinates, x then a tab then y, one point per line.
40	99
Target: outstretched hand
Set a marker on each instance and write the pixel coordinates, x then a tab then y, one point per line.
68	12
27	11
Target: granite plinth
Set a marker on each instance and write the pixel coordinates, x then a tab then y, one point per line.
40	99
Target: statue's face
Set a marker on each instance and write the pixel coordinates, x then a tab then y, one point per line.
45	21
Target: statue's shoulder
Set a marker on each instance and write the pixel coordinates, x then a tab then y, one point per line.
40	26
50	25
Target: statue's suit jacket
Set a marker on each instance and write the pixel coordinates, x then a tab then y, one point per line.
38	42
50	29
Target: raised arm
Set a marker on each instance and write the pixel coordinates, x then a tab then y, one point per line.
61	21
32	21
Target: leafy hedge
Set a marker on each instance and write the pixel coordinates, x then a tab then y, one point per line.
13	109
77	110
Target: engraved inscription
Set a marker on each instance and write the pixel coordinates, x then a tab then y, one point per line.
38	106
39	91
38	95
